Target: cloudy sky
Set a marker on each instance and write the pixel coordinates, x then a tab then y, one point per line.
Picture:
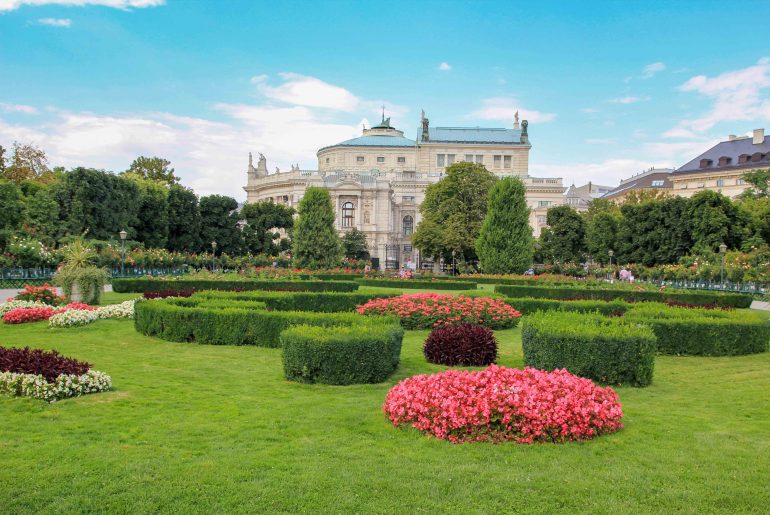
609	88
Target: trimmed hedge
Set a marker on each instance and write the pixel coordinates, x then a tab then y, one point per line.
608	350
332	277
328	302
529	305
144	285
417	284
702	332
731	300
363	353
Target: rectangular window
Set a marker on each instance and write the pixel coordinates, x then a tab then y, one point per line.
468	158
740	182
380	159
720	183
359	159
407	248
440	159
401	160
407	199
541	219
656	184
479	158
506	161
498	161
450	159
544	203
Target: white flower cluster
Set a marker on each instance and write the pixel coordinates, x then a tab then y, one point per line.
66	385
5	307
122	310
72	317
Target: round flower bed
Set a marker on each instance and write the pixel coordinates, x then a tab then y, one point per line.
464	344
499	404
428	310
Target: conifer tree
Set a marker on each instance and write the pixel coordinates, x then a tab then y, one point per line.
315	242
505	243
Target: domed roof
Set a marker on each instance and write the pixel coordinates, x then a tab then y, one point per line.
379	140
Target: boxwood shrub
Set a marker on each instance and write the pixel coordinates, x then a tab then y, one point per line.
146	285
703	332
732	300
529	305
412	284
608	350
329	302
363	353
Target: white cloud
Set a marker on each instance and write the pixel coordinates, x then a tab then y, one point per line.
307	91
736	96
18	108
10	5
55	22
504	109
651	69
444	67
629	99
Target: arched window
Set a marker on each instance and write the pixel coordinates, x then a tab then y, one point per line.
408	225
348	214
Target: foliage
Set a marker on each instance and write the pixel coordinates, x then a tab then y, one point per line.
41	214
45	294
184	220
326	302
529	305
29	253
364	353
262	219
89	280
602	236
186	284
155	169
27	162
354	244
152	220
415	284
219	223
12	206
428	310
564	238
714	219
608	350
601	205
760	184
505	240
315	242
465	344
39	362
500	404
453	211
654	232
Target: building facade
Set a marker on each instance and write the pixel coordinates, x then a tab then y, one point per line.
653	180
580	196
377	181
722	167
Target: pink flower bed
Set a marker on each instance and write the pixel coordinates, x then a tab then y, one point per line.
428	310
499	404
24	315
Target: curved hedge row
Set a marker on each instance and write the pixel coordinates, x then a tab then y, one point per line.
702	332
144	285
731	300
328	302
412	284
362	353
608	350
529	305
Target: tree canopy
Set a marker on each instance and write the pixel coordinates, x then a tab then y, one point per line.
354	244
154	169
564	238
264	220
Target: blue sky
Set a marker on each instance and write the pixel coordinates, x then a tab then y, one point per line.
609	88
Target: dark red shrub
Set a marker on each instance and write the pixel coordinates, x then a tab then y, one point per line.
464	344
49	364
162	294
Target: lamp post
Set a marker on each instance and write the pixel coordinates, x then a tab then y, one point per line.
213	254
123	235
453	263
723	251
612	272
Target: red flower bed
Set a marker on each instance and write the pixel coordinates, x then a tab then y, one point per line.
45	294
49	364
24	315
428	310
499	404
469	345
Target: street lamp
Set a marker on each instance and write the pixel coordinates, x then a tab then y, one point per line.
213	253
612	277
723	251
123	235
453	263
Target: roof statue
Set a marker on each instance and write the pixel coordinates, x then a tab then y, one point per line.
261	170
524	135
425	127
251	163
516	120
277	170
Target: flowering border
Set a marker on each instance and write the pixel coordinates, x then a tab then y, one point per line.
66	385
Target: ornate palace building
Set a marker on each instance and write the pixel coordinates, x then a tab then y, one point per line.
377	181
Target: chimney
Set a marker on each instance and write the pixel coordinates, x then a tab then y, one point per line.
732	137
759	136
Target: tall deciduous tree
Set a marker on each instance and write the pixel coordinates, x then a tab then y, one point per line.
219	222
564	238
27	162
654	231
355	245
714	219
315	242
505	241
602	235
453	211
184	220
11	206
264	221
152	224
42	212
154	169
760	184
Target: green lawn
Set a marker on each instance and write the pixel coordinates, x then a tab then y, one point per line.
197	428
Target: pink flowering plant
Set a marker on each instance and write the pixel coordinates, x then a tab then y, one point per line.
428	310
501	404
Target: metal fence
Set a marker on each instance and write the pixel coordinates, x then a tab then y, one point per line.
18	277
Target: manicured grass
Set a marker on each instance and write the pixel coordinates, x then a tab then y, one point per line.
196	428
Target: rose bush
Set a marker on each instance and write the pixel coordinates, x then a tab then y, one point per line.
428	310
504	404
45	294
